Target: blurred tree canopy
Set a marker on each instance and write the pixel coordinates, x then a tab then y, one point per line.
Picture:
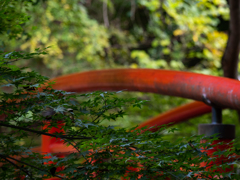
175	34
188	35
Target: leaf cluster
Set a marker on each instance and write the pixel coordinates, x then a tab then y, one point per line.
99	151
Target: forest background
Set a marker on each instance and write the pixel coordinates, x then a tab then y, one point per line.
186	35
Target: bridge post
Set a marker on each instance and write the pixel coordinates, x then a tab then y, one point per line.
225	134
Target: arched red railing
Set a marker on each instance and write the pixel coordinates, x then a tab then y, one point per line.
217	90
221	91
177	115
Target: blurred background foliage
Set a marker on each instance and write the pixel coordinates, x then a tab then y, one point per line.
186	35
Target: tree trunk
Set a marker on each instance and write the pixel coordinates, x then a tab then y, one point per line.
230	57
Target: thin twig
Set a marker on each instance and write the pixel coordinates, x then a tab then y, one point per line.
133	9
44	133
1	155
105	13
16	166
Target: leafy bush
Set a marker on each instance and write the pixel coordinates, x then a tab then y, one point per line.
99	151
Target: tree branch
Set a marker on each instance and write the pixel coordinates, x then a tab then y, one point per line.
44	133
3	157
30	165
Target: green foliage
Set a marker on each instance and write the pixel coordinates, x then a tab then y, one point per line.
11	18
66	27
146	34
169	34
100	151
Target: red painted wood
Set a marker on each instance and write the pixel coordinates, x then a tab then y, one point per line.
177	115
220	91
